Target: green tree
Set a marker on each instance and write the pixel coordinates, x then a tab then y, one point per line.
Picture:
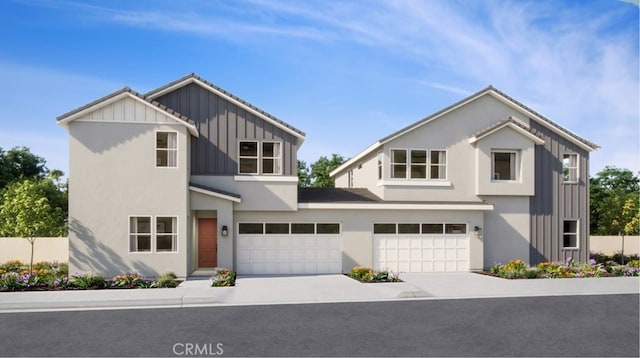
25	212
321	168
610	190
19	163
303	174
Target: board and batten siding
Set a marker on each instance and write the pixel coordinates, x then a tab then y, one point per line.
221	125
555	201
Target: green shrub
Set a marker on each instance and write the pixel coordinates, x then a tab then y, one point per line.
12	266
129	280
361	273
167	280
223	278
514	269
87	280
9	281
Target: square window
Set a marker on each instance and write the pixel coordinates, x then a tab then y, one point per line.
503	165
167	149
570	168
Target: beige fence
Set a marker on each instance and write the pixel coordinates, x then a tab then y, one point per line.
45	249
610	245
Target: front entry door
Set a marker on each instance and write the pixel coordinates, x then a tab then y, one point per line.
207	242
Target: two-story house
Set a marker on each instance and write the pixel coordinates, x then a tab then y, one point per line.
189	176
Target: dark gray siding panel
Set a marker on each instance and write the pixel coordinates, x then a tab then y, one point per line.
555	201
221	124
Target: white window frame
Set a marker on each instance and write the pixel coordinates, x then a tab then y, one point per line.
439	165
174	235
392	163
575	168
277	160
410	163
256	158
516	165
136	234
576	234
168	150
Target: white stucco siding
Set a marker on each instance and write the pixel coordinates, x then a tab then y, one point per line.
112	176
451	132
509	140
357	228
506	230
266	193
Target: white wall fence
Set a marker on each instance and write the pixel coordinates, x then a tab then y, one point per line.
57	248
610	245
44	249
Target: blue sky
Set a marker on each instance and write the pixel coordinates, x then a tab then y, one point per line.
345	72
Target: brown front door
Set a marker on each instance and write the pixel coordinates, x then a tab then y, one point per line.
207	242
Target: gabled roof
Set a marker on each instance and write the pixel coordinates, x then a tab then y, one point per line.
64	119
194	78
497	94
510	122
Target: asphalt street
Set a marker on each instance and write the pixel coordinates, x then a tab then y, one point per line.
599	325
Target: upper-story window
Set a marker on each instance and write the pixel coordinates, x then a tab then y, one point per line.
379	165
503	165
167	149
570	168
259	157
417	164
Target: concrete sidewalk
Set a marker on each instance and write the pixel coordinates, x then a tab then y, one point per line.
312	289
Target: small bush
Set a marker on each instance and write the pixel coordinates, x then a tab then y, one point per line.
88	281
13	266
167	280
129	280
223	278
366	274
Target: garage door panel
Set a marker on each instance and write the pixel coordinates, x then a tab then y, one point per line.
424	253
289	254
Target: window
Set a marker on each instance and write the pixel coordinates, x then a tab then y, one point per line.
166	233
302	228
140	234
399	163
384	228
276	228
327	228
418	164
271	158
570	168
408	228
380	166
251	228
167	149
503	165
570	234
248	157
432	229
438	165
455	228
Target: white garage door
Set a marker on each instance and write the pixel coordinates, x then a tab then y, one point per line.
428	250
292	253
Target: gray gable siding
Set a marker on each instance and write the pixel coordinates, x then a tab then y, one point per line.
221	124
555	201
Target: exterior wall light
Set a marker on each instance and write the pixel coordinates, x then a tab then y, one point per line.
225	230
478	230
